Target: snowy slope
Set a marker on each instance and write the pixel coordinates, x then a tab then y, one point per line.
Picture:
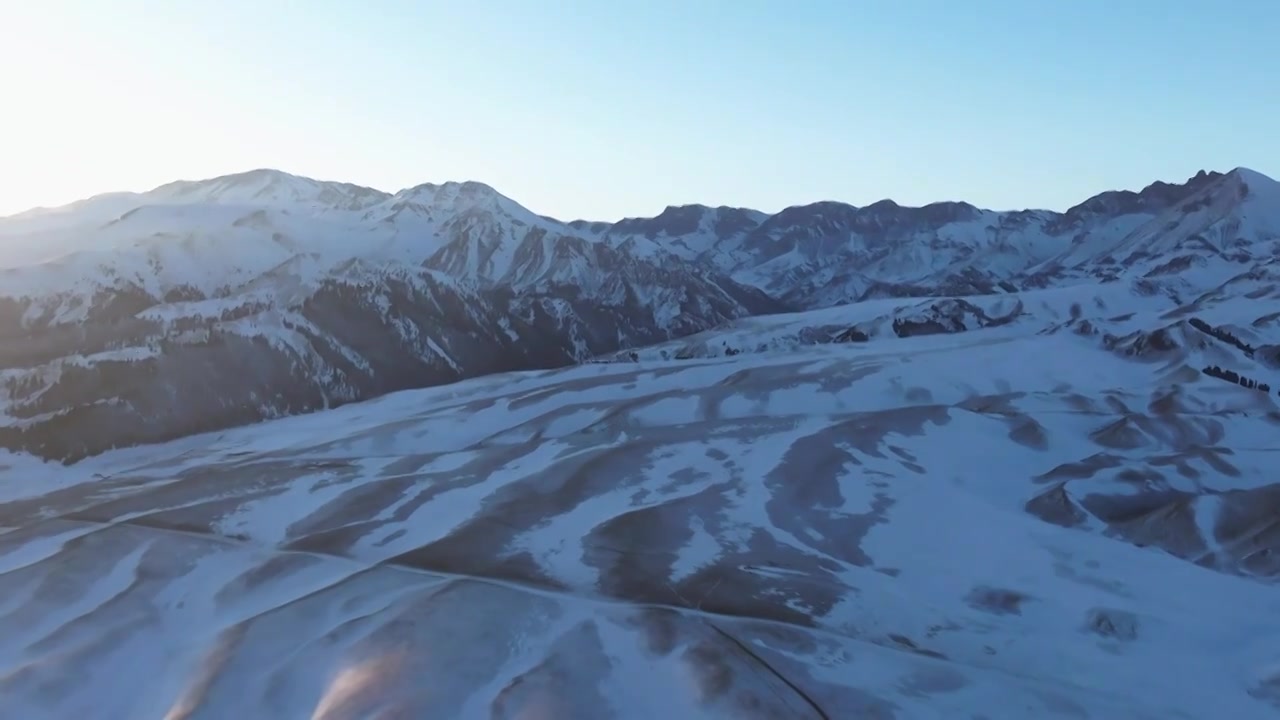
993	523
234	228
1020	478
213	303
830	253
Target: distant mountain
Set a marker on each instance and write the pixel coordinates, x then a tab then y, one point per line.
830	253
205	305
201	305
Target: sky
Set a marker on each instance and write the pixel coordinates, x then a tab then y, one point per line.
604	109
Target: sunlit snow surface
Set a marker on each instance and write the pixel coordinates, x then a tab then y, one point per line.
839	531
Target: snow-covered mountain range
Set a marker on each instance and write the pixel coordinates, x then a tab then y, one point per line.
132	318
835	462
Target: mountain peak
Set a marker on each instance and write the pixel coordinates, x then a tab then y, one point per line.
1154	198
1254	180
885	205
267	186
1238	185
456	194
1248	173
1160	188
263	175
673	220
257	177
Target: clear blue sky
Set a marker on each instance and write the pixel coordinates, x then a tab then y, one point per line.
609	108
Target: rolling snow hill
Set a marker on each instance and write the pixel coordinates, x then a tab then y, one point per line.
995	523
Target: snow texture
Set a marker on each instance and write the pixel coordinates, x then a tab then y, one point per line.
951	498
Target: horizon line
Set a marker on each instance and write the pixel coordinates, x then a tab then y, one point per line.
1239	169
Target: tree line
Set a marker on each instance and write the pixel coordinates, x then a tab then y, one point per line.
1221	334
1237	378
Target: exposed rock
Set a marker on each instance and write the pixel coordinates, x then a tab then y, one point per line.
1112	624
